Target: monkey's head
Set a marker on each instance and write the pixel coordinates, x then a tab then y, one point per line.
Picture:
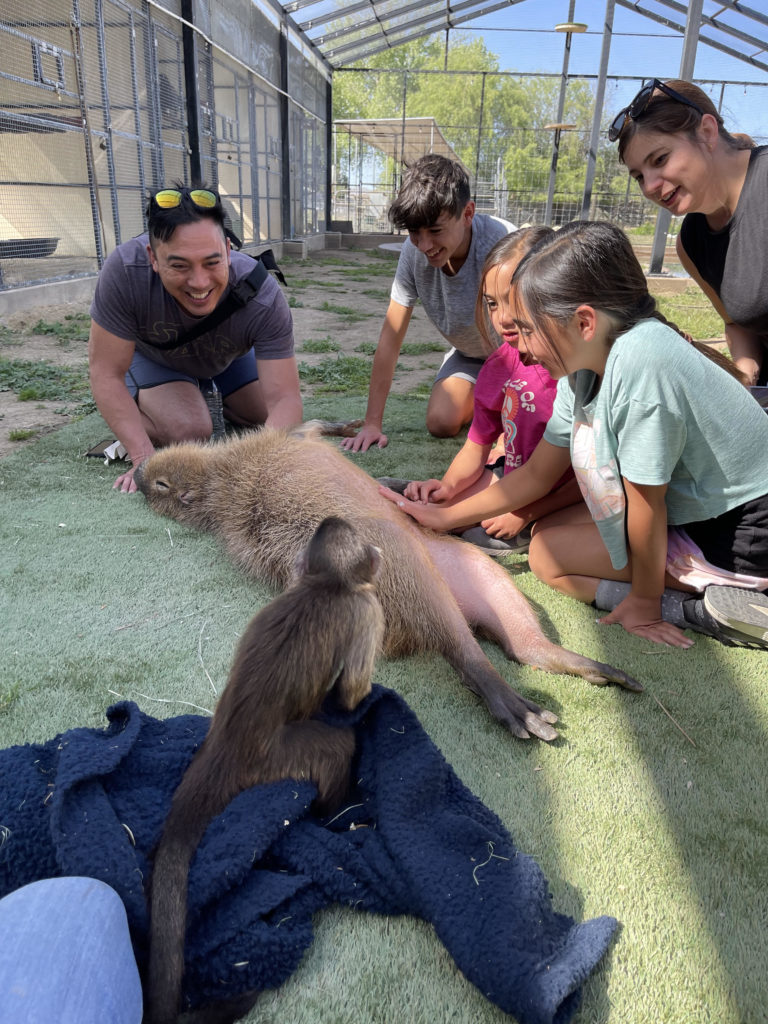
174	482
338	550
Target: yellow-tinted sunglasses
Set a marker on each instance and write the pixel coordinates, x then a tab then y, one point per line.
170	198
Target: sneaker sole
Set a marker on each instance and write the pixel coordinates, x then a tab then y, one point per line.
730	606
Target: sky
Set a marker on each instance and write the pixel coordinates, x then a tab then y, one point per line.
522	37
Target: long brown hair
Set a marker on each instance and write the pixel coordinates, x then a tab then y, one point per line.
511	247
671	117
592	263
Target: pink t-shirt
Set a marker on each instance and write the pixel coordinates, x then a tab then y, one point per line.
515	398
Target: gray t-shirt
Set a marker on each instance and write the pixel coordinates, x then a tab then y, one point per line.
449	302
663	414
131	302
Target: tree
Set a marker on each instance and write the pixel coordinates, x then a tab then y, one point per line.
494	122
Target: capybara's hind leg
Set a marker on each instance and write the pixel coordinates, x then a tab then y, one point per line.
422	615
492	604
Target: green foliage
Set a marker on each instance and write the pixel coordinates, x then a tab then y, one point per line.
74	327
7	336
294	303
350	315
502	116
44	381
693	313
320	345
366	348
421	348
341	373
21	434
8	697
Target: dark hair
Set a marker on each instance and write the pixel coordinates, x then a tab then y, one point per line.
431	186
515	244
591	263
670	117
162	223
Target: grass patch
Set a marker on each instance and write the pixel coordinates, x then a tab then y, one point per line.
421	348
22	434
366	348
692	312
45	382
376	293
8	697
294	303
349	314
74	327
320	345
421	391
7	336
341	373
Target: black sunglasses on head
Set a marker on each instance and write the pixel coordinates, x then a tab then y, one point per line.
640	103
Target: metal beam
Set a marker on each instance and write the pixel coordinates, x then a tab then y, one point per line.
632	6
390	35
730	30
687	65
594	139
445	17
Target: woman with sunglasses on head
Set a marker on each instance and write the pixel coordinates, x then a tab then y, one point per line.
154	290
675	145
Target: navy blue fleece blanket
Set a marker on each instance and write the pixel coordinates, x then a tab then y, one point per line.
411	840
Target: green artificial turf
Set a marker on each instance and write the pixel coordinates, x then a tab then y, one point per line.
100	599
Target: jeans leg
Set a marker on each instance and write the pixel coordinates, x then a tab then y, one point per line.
66	955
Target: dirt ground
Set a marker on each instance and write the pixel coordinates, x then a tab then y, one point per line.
340	295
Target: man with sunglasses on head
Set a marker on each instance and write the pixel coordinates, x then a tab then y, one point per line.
153	290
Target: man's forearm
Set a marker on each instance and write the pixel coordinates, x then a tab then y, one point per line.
123	417
288	411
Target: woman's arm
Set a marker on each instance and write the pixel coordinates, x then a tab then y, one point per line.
743	344
640	612
531	481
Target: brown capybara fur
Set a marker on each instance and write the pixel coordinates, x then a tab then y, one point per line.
264	493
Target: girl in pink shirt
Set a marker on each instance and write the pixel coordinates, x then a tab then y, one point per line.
512	399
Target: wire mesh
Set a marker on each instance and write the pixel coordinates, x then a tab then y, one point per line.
95	112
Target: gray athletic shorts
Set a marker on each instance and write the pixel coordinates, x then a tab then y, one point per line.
456	364
144	373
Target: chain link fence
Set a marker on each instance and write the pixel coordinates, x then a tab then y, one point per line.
520	159
102	101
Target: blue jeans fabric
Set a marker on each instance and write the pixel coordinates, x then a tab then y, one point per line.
66	955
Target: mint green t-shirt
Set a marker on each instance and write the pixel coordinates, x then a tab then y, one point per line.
662	414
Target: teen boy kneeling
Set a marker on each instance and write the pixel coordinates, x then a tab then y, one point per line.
440	265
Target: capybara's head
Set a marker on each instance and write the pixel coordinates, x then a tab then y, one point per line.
174	481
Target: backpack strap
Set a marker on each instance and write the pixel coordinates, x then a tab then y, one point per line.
239	295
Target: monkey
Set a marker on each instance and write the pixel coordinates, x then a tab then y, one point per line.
321	634
256	490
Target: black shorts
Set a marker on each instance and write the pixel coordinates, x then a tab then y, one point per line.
736	540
